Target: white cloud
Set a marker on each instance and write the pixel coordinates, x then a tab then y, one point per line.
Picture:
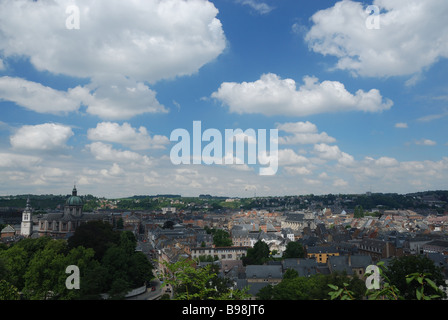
258	6
117	98
271	95
413	36
340	183
120	46
326	152
47	136
298	171
401	125
425	142
382	162
432	117
126	135
323	175
105	152
11	160
39	98
146	40
289	157
298	127
303	133
386	162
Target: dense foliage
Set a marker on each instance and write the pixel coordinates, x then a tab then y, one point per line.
221	238
405	278
259	254
107	261
200	283
294	287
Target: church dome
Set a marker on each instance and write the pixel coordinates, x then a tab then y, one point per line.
74	200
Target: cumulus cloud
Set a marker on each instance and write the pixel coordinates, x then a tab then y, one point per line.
303	133
47	136
297	171
340	183
382	161
413	36
125	134
146	40
105	152
117	98
327	152
271	95
289	157
11	160
120	46
39	98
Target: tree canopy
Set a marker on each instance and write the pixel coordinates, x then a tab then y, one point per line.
399	268
294	250
107	262
259	254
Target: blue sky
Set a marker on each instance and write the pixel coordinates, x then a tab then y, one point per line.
356	108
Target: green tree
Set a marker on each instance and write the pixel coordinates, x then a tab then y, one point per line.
14	262
188	282
8	291
259	254
116	261
315	287
425	288
401	267
266	293
290	274
359	212
84	259
45	272
294	250
221	238
191	283
97	235
125	268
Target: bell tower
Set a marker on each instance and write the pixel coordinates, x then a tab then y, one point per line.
27	221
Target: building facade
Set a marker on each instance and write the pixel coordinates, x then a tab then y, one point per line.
221	253
63	224
321	254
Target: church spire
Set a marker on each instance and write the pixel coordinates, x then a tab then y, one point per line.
27	220
74	191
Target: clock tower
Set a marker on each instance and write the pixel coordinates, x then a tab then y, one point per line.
27	221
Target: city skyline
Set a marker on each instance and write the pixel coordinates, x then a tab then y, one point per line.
91	92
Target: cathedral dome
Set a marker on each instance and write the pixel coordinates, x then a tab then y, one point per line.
74	200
